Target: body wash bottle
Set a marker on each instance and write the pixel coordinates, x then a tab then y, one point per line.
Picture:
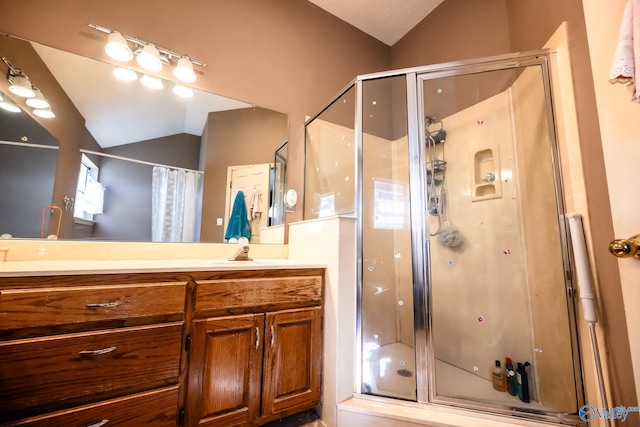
499	382
511	377
523	383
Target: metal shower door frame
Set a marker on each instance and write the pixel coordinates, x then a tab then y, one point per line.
424	350
425	355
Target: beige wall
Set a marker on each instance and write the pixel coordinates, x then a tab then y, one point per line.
619	130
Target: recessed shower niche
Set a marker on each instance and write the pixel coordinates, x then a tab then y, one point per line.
438	272
485	174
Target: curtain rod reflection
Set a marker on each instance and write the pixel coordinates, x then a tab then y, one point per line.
97	153
26	144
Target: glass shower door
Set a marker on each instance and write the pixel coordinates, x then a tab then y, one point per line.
500	328
388	350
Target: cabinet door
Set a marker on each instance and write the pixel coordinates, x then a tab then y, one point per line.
225	371
292	361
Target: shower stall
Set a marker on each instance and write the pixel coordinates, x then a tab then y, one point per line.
464	275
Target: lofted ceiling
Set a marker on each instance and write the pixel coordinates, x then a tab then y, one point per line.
118	113
386	20
115	120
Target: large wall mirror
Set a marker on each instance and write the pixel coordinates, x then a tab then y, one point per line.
138	140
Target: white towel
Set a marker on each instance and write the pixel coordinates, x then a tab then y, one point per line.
626	63
255	205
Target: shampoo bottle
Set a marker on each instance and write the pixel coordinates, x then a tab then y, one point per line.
511	377
499	382
523	383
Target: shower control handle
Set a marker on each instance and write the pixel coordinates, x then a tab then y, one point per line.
626	248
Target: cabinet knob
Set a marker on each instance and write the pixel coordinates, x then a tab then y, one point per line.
99	423
626	248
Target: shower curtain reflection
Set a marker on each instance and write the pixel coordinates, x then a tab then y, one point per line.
174	205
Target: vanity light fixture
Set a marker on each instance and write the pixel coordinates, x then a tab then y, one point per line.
38	101
125	74
8	105
45	113
184	70
22	86
150	56
117	47
151	82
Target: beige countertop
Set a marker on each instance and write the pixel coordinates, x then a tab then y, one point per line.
64	267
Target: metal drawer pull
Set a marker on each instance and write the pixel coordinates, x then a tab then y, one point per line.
99	423
102	305
97	352
273	336
257	337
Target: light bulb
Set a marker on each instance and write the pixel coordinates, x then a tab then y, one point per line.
149	58
45	113
183	91
117	47
184	70
151	82
38	101
21	86
125	74
8	105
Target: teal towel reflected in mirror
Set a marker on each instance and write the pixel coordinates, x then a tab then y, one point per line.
238	222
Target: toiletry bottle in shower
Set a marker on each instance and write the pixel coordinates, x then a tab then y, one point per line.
499	382
511	377
523	383
530	386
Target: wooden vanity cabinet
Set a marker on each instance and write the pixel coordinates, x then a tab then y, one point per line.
210	348
256	350
91	350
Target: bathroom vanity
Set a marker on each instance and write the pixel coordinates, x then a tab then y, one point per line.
219	346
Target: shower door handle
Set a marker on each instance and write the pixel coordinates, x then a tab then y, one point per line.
626	248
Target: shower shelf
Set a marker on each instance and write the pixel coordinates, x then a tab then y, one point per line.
485	175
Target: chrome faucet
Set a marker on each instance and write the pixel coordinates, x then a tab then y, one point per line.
242	254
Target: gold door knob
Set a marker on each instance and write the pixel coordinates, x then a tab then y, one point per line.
626	248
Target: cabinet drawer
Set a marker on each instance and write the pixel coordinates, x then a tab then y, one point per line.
21	308
232	295
57	372
156	408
